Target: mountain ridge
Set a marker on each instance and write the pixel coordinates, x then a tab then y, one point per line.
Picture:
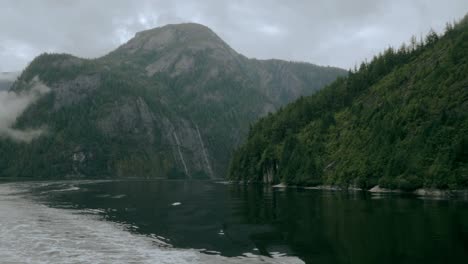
174	109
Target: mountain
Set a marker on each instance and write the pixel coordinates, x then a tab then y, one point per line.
7	79
400	121
172	102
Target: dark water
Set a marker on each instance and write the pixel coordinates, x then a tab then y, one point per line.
315	226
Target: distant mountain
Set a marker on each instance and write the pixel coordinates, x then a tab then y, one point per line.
7	79
172	102
400	121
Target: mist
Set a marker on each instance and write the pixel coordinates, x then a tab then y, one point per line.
13	104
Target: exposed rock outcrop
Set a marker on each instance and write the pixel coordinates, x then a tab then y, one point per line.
173	102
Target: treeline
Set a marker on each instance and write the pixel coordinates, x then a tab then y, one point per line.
399	121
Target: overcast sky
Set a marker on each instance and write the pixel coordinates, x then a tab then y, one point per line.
326	32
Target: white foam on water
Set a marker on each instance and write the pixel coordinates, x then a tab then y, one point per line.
119	196
69	189
103	195
34	233
93	211
212	252
72	188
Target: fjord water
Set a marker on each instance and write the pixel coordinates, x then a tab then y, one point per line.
205	222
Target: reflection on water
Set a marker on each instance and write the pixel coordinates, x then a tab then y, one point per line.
34	233
261	224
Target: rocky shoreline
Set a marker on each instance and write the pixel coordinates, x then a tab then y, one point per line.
427	192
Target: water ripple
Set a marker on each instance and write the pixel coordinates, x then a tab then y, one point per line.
33	233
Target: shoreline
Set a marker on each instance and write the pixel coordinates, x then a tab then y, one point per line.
422	192
376	190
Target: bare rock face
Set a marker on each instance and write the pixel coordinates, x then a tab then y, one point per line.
159	41
189	36
133	117
172	63
183	65
129	117
175	48
187	147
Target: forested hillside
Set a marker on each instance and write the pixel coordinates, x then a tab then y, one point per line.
172	102
398	121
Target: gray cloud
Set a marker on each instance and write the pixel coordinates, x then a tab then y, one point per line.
328	32
13	104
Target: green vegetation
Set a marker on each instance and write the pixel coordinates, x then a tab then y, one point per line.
112	116
399	121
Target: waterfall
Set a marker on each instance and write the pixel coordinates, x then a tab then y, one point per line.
180	153
205	155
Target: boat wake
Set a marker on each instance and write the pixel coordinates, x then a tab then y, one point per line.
31	232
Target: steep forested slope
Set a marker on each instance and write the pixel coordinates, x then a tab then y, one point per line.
172	102
400	121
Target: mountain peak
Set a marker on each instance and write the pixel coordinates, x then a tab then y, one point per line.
188	29
174	49
176	36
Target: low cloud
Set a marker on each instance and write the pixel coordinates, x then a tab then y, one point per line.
13	104
8	76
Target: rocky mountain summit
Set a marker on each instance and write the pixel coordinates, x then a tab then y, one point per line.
172	102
